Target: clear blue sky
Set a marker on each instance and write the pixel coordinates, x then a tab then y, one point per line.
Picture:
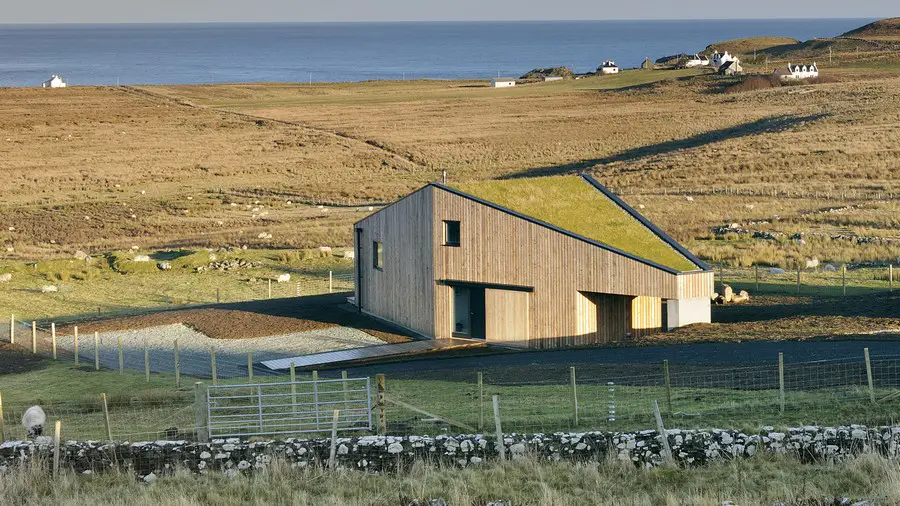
150	11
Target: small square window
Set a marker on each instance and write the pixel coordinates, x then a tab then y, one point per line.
451	233
377	255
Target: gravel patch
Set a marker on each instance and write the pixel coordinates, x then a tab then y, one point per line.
194	349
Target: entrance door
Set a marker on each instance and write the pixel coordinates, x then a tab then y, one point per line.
468	312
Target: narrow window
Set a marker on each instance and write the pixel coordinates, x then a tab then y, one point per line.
451	233
377	255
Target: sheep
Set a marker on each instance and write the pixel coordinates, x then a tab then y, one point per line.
284	278
33	420
49	289
5	277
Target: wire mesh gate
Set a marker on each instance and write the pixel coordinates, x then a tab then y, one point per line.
270	409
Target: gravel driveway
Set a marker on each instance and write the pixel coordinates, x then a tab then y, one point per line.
194	348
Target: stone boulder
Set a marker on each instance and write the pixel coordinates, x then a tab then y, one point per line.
142	258
5	277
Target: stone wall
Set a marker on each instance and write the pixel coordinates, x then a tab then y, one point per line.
388	453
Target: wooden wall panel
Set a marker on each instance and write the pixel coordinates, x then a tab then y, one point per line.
646	316
403	291
507	316
499	248
695	284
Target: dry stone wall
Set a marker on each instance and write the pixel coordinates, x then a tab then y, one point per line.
388	453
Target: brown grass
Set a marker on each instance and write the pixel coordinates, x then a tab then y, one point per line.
787	151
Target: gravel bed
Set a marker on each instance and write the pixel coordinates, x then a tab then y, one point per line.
194	349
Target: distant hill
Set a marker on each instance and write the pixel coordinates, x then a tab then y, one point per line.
749	45
564	72
884	29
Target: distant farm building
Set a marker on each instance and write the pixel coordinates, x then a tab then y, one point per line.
731	68
548	79
647	65
696	61
539	262
502	83
54	82
797	71
718	59
609	67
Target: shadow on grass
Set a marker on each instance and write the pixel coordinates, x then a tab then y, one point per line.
881	305
760	126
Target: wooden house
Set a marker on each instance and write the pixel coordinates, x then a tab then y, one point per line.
541	262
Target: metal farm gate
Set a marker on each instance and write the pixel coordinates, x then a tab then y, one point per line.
271	409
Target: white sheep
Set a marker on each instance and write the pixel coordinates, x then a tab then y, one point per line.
33	420
284	278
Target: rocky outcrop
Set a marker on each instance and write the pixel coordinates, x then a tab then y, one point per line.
390	453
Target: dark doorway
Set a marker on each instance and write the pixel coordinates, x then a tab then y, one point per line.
468	312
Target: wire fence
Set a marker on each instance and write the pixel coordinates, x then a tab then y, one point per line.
822	280
150	393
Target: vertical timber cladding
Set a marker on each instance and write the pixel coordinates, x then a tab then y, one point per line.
500	248
606	318
403	290
507	316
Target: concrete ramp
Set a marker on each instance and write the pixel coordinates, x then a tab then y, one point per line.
367	353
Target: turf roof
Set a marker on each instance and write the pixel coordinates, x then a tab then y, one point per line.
573	204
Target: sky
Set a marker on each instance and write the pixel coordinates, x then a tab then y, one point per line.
156	11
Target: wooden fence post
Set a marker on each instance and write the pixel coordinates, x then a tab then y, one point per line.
201	424
757	277
480	400
668	388
869	375
330	282
146	361
293	388
56	436
96	351
75	342
53	338
250	367
382	417
572	383
344	385
667	457
844	280
270	288
315	375
798	277
106	417
332	461
12	329
501	445
218	296
891	277
212	364
177	364
781	380
33	337
2	423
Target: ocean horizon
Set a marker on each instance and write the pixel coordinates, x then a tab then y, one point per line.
205	53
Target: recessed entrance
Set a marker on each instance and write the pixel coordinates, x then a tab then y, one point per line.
468	312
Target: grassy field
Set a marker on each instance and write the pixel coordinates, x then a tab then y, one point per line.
762	480
192	166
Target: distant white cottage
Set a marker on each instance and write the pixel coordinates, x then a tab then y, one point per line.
696	61
54	82
718	59
609	67
502	83
797	71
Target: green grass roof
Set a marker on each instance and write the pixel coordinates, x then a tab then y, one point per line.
573	204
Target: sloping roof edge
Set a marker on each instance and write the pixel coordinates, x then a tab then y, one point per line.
647	223
555	228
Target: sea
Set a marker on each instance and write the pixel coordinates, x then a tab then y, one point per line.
333	52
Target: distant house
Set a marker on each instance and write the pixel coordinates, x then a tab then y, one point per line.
797	71
548	79
54	82
696	61
647	65
609	67
502	83
718	59
731	68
